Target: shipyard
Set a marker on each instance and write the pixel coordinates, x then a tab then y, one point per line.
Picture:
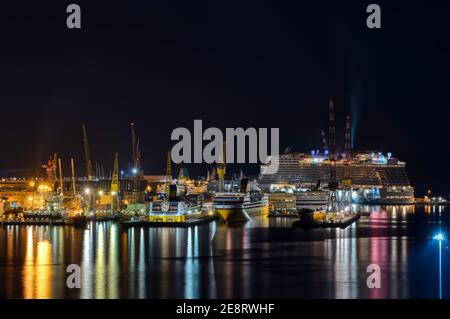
328	183
322	196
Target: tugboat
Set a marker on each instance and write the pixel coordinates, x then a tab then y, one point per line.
309	218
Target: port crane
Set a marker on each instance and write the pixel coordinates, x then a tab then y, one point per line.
115	184
89	170
347	181
221	168
135	151
332	205
168	174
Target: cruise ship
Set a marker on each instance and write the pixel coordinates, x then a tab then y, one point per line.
236	206
376	178
240	206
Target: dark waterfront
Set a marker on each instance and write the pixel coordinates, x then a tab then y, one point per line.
264	258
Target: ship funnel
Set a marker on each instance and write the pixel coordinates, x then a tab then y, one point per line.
243	186
173	192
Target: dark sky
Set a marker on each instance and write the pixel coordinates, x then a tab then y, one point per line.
164	63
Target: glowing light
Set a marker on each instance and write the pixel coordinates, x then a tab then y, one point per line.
87	191
134	170
100	193
439	237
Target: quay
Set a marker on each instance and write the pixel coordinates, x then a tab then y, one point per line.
187	223
283	214
335	222
30	222
343	222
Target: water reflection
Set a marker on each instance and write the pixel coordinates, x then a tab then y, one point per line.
263	258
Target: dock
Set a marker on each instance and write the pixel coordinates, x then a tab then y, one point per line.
284	214
31	222
187	223
342	222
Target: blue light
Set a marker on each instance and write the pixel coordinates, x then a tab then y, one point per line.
134	170
439	236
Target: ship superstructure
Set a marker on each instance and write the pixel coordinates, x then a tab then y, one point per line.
375	177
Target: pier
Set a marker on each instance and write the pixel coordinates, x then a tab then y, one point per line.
187	223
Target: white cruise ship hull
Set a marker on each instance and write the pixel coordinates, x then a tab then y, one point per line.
235	207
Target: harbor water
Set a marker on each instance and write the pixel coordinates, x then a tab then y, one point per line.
262	258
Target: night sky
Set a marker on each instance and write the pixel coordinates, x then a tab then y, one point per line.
162	64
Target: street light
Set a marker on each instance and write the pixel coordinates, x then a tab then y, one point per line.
440	238
87	191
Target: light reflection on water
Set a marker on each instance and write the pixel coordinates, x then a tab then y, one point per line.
262	258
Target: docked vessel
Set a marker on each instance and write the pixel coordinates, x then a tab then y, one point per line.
172	211
175	208
242	205
311	198
282	205
235	206
376	178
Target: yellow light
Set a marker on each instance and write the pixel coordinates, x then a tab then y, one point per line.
31	184
100	193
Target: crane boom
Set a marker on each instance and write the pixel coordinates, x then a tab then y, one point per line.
115	175
89	170
133	145
73	178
